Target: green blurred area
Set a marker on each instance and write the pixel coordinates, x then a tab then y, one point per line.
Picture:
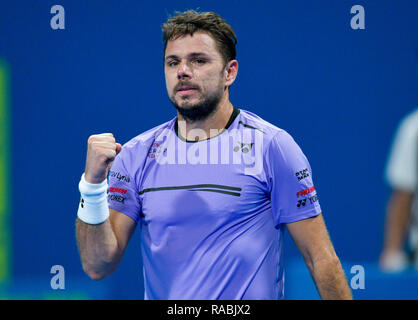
5	183
9	290
44	296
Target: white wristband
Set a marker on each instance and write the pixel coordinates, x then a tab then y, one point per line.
93	207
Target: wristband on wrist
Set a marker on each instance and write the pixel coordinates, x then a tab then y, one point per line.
93	207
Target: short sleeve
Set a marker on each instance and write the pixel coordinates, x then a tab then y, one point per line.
292	192
122	193
401	170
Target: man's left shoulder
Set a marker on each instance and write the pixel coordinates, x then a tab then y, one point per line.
253	121
268	130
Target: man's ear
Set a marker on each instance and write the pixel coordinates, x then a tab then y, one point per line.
231	71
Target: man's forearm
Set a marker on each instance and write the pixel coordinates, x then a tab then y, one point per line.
98	248
330	280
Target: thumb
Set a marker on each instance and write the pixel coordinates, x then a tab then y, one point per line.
118	148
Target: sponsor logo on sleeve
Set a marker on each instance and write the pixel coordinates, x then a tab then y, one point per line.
303	202
115	197
119	176
117	190
302	174
305	192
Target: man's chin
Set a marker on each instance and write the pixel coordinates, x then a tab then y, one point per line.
193	108
184	109
195	112
186	104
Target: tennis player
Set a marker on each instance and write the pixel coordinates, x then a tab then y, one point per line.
212	190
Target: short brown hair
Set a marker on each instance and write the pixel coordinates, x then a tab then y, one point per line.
191	21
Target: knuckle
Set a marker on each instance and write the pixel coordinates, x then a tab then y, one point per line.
94	146
103	157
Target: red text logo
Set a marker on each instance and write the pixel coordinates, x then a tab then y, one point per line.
305	192
117	190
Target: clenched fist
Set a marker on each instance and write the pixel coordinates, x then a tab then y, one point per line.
102	150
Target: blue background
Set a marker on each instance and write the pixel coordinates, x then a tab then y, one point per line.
339	92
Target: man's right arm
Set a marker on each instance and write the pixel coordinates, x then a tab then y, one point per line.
102	246
102	233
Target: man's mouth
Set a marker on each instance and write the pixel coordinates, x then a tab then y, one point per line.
186	89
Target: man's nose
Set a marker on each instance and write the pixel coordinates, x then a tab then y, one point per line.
184	71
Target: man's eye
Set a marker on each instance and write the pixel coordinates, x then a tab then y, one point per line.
200	61
172	63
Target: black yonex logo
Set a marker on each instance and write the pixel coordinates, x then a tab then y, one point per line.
301	203
82	203
312	200
244	147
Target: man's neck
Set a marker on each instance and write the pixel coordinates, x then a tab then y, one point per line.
209	127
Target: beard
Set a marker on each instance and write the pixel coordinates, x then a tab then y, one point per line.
200	110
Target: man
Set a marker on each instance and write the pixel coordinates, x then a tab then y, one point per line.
211	190
402	208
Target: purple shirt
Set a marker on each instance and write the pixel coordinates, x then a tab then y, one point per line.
211	213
